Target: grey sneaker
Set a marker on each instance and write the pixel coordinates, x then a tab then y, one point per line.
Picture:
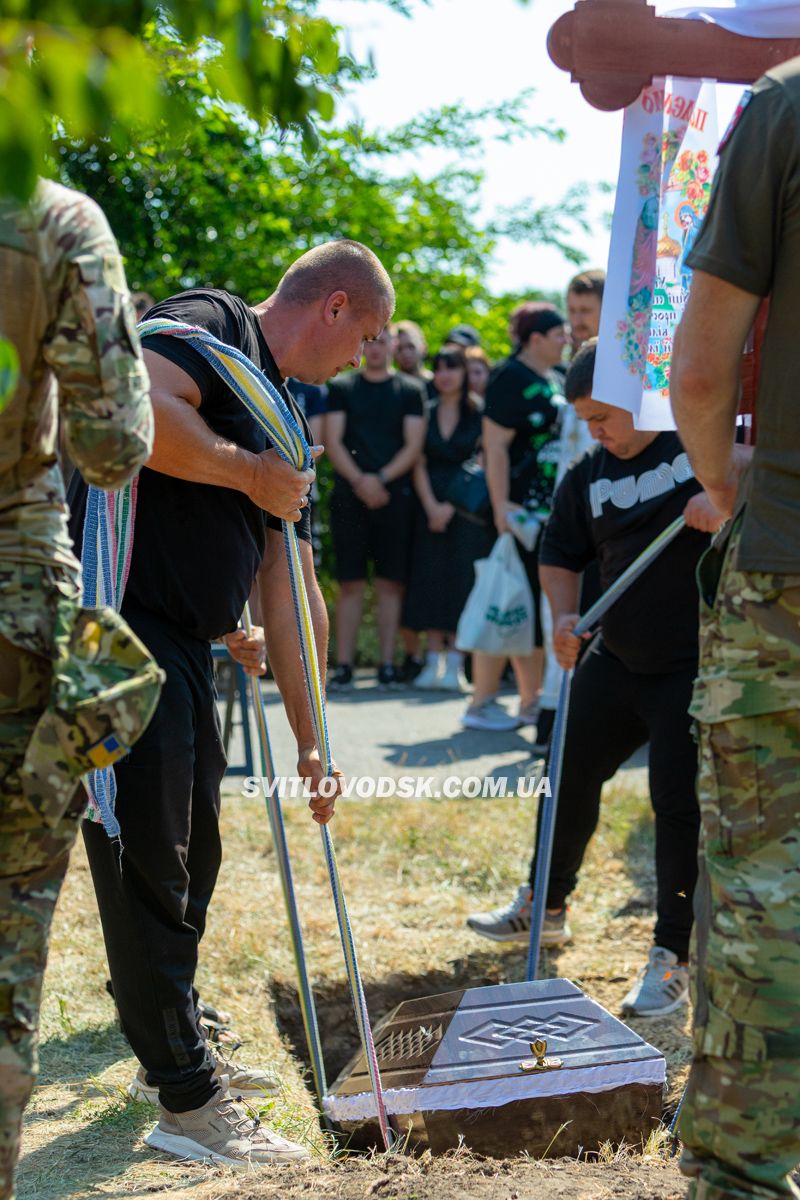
222	1131
489	715
662	986
236	1079
509	924
555	929
513	923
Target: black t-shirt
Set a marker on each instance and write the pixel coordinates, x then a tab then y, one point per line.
520	399
197	547
375	413
611	509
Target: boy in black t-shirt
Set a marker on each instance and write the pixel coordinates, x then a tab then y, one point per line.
375	432
634	683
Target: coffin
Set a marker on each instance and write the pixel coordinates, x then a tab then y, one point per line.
460	1067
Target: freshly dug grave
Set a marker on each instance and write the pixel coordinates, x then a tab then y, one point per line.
412	872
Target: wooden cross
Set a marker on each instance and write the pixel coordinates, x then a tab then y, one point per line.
614	48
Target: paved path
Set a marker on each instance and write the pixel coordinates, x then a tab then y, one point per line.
404	732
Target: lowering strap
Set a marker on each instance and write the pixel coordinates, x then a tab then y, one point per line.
270	411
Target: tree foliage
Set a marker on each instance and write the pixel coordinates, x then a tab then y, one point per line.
231	207
90	67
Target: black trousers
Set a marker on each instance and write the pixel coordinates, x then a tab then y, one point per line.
612	713
154	894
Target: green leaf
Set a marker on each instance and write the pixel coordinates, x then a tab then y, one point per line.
9	371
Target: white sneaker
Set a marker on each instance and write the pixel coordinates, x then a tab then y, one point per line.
453	680
489	715
661	987
222	1131
429	677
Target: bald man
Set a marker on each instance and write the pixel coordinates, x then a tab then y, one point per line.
210	503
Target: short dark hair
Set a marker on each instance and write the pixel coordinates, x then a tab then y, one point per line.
580	376
342	264
537	316
587	283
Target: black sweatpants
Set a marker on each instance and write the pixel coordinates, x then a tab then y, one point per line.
153	896
612	713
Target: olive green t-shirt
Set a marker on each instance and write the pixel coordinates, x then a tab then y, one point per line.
751	239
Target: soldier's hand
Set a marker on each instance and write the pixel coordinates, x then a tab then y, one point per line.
700	513
278	487
722	495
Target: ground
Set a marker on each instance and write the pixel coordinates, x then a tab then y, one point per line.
412	871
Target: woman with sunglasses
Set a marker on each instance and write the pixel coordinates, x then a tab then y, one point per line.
445	544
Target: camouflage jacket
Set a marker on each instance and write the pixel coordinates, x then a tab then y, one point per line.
65	306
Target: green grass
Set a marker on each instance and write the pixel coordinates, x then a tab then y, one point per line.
412	872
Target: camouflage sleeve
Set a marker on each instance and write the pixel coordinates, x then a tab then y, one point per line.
95	354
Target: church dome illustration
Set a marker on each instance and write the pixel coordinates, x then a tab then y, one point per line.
667	246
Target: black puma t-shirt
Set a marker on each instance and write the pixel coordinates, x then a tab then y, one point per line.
197	547
610	509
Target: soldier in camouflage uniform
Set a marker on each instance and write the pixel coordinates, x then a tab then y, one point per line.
64	306
740	1122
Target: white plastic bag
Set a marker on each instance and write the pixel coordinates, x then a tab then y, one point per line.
498	615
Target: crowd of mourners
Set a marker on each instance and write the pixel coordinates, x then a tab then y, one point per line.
399	432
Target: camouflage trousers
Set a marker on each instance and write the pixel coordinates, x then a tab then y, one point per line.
740	1121
36	836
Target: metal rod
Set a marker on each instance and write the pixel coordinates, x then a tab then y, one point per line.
547	824
275	814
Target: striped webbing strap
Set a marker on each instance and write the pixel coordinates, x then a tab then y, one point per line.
269	409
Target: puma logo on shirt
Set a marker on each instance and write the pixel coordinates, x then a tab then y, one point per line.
637	489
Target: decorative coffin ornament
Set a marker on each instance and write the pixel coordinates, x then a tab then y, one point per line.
534	1066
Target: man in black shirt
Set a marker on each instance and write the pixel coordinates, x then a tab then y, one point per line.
634	683
207	531
375	428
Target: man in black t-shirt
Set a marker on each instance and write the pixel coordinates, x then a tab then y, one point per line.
376	429
520	441
208	531
634	684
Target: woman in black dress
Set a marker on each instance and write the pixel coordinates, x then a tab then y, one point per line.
445	544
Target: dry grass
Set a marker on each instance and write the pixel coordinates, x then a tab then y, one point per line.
412	872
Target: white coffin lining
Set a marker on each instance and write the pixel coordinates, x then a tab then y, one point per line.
493	1093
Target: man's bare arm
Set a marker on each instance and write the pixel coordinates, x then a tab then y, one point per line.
186	448
408	456
704	381
562	588
280	630
340	457
283	649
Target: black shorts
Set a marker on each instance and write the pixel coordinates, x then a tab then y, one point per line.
379	535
